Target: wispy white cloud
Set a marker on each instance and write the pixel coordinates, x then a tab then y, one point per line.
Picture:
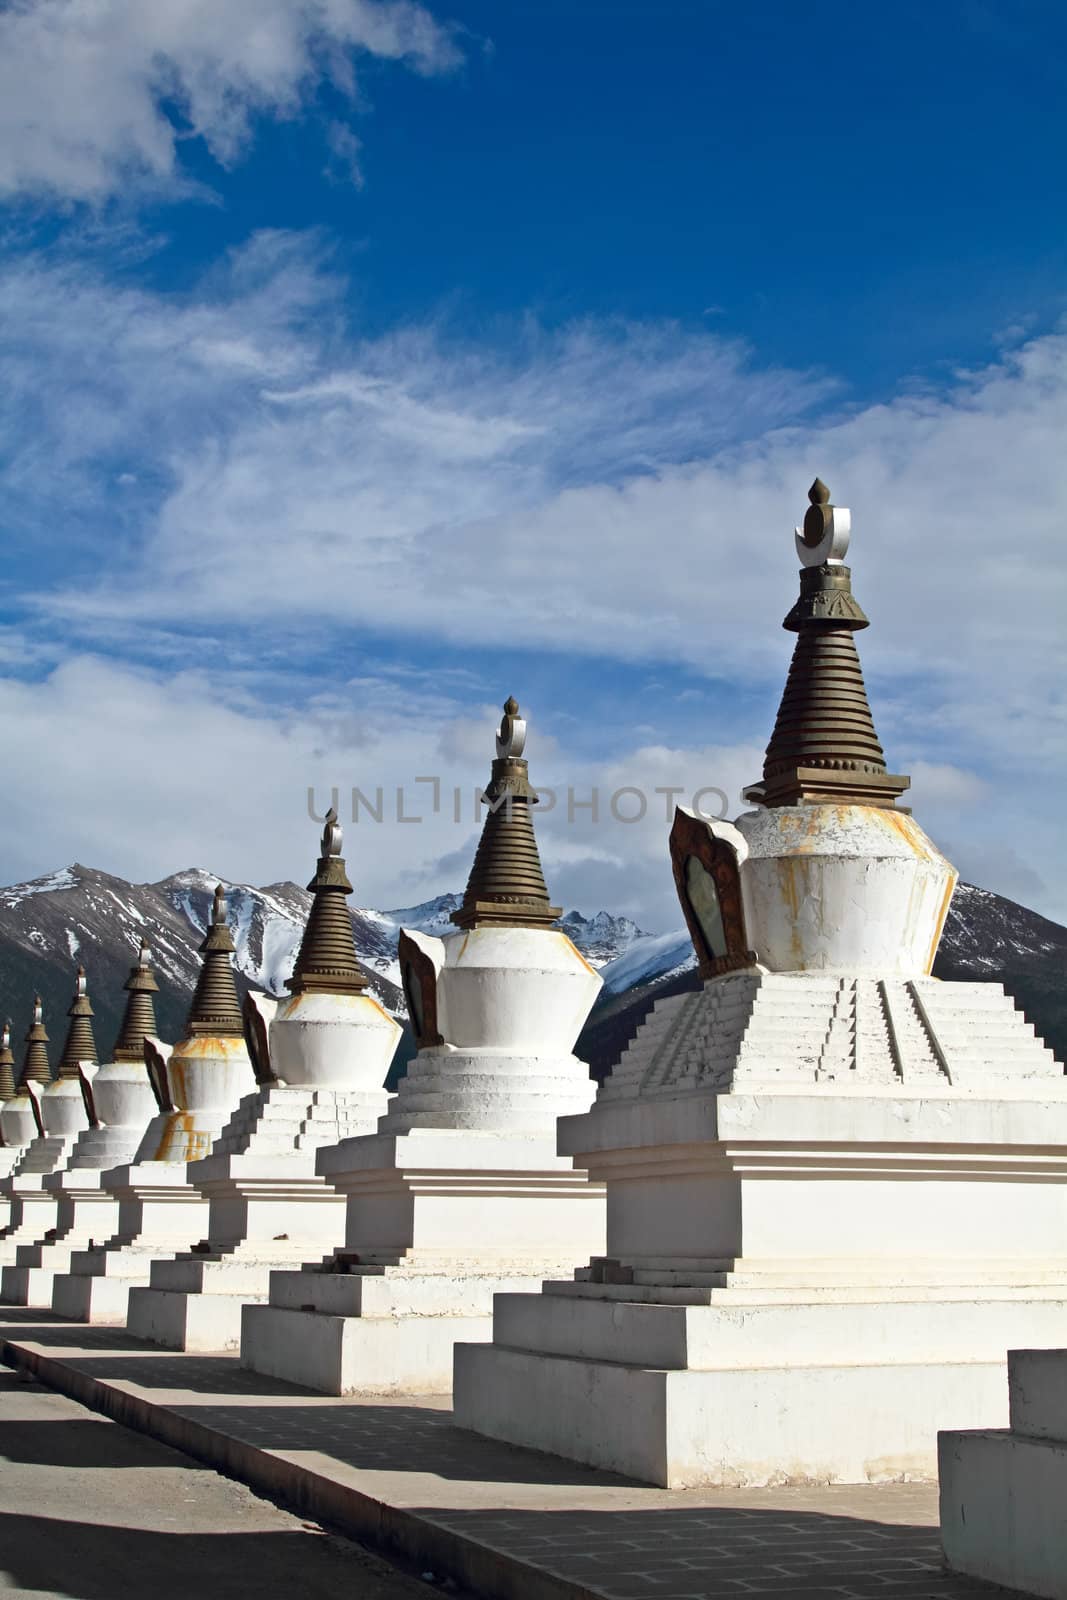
610	491
96	96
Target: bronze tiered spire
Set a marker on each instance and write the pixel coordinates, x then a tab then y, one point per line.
35	1066
506	885
80	1044
139	1019
327	957
824	748
7	1064
215	1009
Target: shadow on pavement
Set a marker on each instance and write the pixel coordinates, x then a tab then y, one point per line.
97	1562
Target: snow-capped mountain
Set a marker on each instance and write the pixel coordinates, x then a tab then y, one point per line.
79	914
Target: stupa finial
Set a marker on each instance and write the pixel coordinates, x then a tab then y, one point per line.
332	834
7	1064
824	748
326	961
825	534
139	1019
511	740
80	1045
35	1067
507	884
215	1008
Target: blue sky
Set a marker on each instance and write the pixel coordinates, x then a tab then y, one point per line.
361	363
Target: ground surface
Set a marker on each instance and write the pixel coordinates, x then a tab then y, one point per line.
509	1524
91	1510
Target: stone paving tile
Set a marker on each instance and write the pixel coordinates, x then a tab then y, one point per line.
604	1534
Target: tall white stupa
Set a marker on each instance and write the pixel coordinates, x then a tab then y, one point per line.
835	1184
328	1049
460	1192
58	1109
197	1086
16	1128
118	1104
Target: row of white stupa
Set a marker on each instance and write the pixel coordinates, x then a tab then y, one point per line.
815	1203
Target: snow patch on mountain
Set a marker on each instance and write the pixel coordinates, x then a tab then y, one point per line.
650	956
63	879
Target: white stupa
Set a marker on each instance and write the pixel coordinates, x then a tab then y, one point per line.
197	1085
327	1051
119	1103
58	1110
17	1125
835	1185
460	1193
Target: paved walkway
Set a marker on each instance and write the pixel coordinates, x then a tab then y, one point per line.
90	1510
507	1523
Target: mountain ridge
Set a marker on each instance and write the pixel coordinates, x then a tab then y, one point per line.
79	913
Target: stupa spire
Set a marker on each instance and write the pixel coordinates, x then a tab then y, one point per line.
507	885
35	1068
7	1064
326	960
80	1044
215	1008
139	1019
824	748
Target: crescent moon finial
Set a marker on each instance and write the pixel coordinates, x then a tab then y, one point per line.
823	539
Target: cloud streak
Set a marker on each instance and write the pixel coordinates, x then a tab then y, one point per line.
262	476
125	83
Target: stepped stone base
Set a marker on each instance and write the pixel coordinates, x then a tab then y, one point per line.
1004	1493
160	1215
10	1156
30	1281
376	1329
748	1386
268	1210
439	1220
833	1203
100	1299
100	1149
33	1212
86	1214
728	1429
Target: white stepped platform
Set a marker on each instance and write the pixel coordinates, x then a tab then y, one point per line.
750	1386
10	1156
439	1221
160	1214
387	1328
268	1209
34	1209
86	1214
833	1204
1004	1492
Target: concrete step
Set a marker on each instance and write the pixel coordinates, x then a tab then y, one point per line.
736	1330
1037	1394
1002	1509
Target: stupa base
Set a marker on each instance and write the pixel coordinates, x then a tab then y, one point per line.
102	1299
268	1210
730	1429
85	1215
833	1386
160	1215
384	1330
194	1302
31	1281
33	1213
